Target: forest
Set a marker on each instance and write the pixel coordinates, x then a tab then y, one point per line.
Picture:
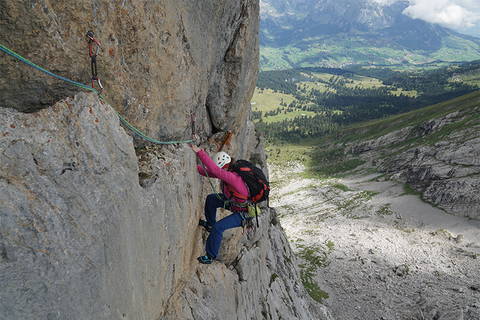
338	97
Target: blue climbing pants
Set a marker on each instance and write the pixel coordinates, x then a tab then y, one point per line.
214	240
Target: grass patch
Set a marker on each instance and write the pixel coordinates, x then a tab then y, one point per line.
330	245
285	154
367	194
443	233
341	187
385	210
313	289
288	115
268	100
315	258
309	86
272	278
408	190
333	169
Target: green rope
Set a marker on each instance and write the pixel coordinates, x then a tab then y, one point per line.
84	86
145	137
211	185
28	62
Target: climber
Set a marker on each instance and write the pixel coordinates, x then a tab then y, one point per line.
235	193
93	57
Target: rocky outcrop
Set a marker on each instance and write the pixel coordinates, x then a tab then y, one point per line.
82	238
439	158
257	284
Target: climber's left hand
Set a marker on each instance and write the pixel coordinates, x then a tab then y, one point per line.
195	148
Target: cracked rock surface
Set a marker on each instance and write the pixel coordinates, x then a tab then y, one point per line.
160	61
97	225
90	228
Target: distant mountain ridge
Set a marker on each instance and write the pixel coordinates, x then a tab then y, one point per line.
337	32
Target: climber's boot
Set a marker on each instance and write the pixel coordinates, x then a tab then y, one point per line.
205	225
205	259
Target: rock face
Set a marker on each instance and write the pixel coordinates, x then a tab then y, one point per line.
81	238
439	158
96	225
160	60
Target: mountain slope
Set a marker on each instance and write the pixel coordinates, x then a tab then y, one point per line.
385	217
335	33
434	150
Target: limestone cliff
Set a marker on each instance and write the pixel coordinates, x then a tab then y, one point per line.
160	60
97	225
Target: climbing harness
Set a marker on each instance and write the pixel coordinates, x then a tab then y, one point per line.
248	226
225	202
83	86
93	57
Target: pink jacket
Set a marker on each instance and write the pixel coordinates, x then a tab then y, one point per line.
232	181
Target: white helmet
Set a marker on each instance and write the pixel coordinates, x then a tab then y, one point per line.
222	158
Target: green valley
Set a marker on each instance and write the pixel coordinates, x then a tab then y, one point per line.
295	104
345	51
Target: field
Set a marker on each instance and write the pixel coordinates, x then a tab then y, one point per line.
268	100
295	104
277	106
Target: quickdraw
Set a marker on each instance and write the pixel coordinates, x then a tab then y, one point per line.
226	140
93	57
83	86
192	121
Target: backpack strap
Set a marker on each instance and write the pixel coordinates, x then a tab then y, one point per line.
238	195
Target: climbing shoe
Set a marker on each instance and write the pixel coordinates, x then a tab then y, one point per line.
205	259
205	224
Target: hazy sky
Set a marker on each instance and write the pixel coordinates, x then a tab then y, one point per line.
461	15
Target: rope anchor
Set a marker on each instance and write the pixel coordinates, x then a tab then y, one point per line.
83	86
93	57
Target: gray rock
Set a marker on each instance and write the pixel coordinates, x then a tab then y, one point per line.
459	196
95	225
160	60
82	238
447	173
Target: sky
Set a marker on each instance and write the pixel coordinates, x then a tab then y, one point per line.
460	15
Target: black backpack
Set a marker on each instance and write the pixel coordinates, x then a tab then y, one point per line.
254	178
